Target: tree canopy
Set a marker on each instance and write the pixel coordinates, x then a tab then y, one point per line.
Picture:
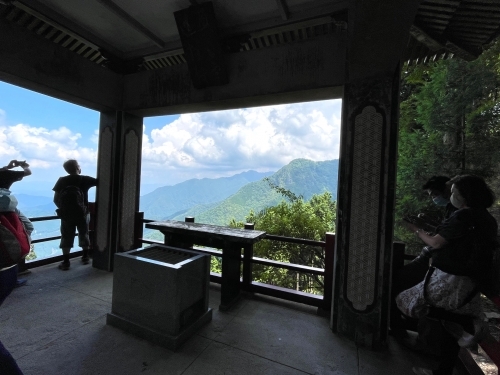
449	125
293	217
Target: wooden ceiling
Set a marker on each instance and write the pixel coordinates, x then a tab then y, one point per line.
442	29
446	28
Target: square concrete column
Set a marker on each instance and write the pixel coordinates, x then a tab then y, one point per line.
119	175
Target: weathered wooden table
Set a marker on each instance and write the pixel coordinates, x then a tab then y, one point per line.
230	240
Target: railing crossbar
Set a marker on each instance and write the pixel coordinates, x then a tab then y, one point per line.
300	241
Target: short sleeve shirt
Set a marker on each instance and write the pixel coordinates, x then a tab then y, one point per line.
7	178
461	230
83	182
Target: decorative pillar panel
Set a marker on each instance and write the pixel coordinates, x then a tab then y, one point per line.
108	135
367	175
130	195
365	193
119	163
105	183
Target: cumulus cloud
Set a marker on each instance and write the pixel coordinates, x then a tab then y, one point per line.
227	142
44	149
198	145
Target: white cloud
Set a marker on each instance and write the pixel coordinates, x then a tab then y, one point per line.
45	150
213	144
209	144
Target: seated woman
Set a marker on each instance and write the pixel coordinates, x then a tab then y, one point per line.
461	252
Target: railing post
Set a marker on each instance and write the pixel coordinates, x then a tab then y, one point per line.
138	229
328	280
398	256
92	236
247	261
188	219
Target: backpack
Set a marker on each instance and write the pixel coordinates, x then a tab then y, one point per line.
14	241
71	203
8	202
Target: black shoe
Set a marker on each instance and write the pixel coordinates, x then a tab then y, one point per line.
24	272
20	282
85	259
64	266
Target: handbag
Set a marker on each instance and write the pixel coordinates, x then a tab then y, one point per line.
459	294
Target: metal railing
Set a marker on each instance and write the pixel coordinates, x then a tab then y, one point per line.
323	302
58	258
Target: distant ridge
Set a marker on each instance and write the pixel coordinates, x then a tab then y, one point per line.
301	176
163	202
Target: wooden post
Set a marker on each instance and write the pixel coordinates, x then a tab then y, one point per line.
92	211
230	277
247	261
138	229
398	257
188	245
328	280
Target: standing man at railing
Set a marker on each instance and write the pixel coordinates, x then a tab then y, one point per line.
71	198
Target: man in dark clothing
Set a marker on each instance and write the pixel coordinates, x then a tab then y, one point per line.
81	223
439	189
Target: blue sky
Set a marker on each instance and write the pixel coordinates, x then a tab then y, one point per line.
45	132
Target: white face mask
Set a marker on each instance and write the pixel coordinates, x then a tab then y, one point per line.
456	199
440	201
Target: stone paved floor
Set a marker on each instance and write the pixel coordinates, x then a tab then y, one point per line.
56	325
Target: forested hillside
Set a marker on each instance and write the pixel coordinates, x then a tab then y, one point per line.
302	177
175	200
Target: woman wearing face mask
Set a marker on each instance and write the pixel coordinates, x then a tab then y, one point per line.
462	248
438	188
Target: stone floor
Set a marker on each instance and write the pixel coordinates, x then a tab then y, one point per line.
56	325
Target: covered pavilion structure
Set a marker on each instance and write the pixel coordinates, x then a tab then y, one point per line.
133	59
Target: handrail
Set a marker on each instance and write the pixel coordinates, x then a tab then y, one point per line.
43	218
57	258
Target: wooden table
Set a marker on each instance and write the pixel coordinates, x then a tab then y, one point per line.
230	240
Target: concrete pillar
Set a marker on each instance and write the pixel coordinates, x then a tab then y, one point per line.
119	172
367	176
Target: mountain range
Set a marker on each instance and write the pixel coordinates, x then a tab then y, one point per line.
213	201
201	198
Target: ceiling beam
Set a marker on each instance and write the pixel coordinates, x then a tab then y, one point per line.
378	35
436	43
424	38
305	71
296	14
29	60
283	9
132	22
57	20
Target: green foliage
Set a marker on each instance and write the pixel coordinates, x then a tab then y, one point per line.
449	125
293	218
31	255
